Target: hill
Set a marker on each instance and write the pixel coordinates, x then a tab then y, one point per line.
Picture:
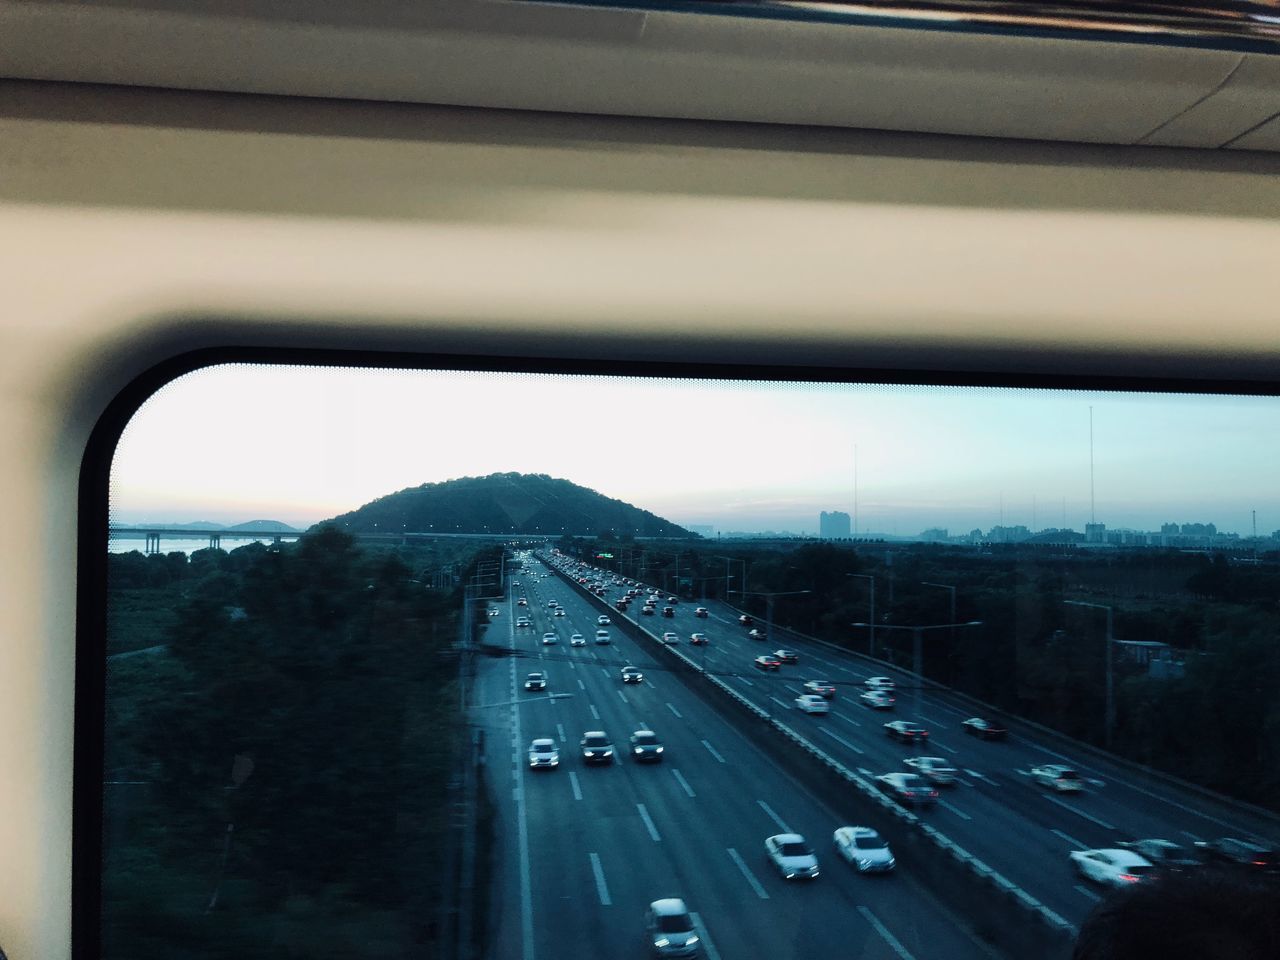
514	503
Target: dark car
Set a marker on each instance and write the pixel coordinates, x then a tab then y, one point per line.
1253	855
668	611
632	675
767	662
645	746
984	728
597	747
755	633
906	731
647	610
746	620
1166	855
787	656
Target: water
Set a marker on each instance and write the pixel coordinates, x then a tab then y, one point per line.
187	545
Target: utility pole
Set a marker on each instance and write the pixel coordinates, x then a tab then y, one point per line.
768	599
1109	714
871	647
917	647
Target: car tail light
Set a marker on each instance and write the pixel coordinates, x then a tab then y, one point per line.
1128	877
1259	863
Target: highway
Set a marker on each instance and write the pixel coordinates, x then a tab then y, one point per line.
995	811
581	851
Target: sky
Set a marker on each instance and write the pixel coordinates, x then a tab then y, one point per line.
242	442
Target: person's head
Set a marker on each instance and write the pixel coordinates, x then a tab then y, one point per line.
1201	915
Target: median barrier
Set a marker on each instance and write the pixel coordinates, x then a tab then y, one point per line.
998	911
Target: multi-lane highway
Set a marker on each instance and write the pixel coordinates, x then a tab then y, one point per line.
995	811
581	851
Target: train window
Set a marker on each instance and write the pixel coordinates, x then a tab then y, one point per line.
351	707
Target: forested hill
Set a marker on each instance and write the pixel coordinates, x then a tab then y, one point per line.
515	503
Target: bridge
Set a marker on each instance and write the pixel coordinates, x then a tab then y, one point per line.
154	535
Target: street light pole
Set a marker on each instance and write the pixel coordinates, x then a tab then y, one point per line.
871	646
917	647
1109	710
768	600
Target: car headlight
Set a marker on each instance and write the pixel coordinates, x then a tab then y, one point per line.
659	750
692	940
608	753
638	750
664	942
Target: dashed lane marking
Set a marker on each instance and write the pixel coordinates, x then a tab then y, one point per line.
888	937
595	714
648	822
714	752
954	809
746	872
841	740
577	787
675	711
623	696
1087	892
1080	813
1068	837
602	889
773	816
560	731
707	946
683	782
784	706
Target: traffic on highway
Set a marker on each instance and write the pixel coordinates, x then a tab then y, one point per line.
655	796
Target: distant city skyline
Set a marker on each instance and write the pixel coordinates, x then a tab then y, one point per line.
238	442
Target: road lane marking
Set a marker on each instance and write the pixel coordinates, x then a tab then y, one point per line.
683	782
842	740
954	809
888	937
746	681
714	752
601	887
932	723
746	872
605	671
648	822
979	776
865	772
577	788
784	706
856	723
773	816
1068	837
946	748
675	711
623	696
560	731
581	685
1080	813
707	946
594	712
1088	893
572	665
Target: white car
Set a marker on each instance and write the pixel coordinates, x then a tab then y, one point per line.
1112	868
559	612
878	683
878	699
1057	777
671	929
522	621
670	637
934	769
548	639
602	636
792	856
701	612
865	849
536	681
697	639
603	620
543	753
495	612
577	640
812	703
821	688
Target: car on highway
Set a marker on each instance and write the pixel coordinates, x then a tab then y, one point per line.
909	789
1257	856
577	640
934	769
767	662
906	731
558	612
701	612
746	620
821	688
646	747
668	611
535	681
602	637
603	620
755	633
1112	868
787	656
670	637
1057	777
865	849
697	639
673	600
984	728
620	606
647	610
671	929
597	747
654	599
812	703
1165	854
878	699
548	638
522	621
543	753
878	683
632	675
495	612
791	854
551	604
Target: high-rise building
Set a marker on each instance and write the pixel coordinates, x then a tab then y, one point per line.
834	525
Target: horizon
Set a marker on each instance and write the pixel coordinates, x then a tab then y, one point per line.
304	444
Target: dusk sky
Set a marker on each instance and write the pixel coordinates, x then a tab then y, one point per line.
244	442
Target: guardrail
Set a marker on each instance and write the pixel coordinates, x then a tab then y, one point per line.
999	911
